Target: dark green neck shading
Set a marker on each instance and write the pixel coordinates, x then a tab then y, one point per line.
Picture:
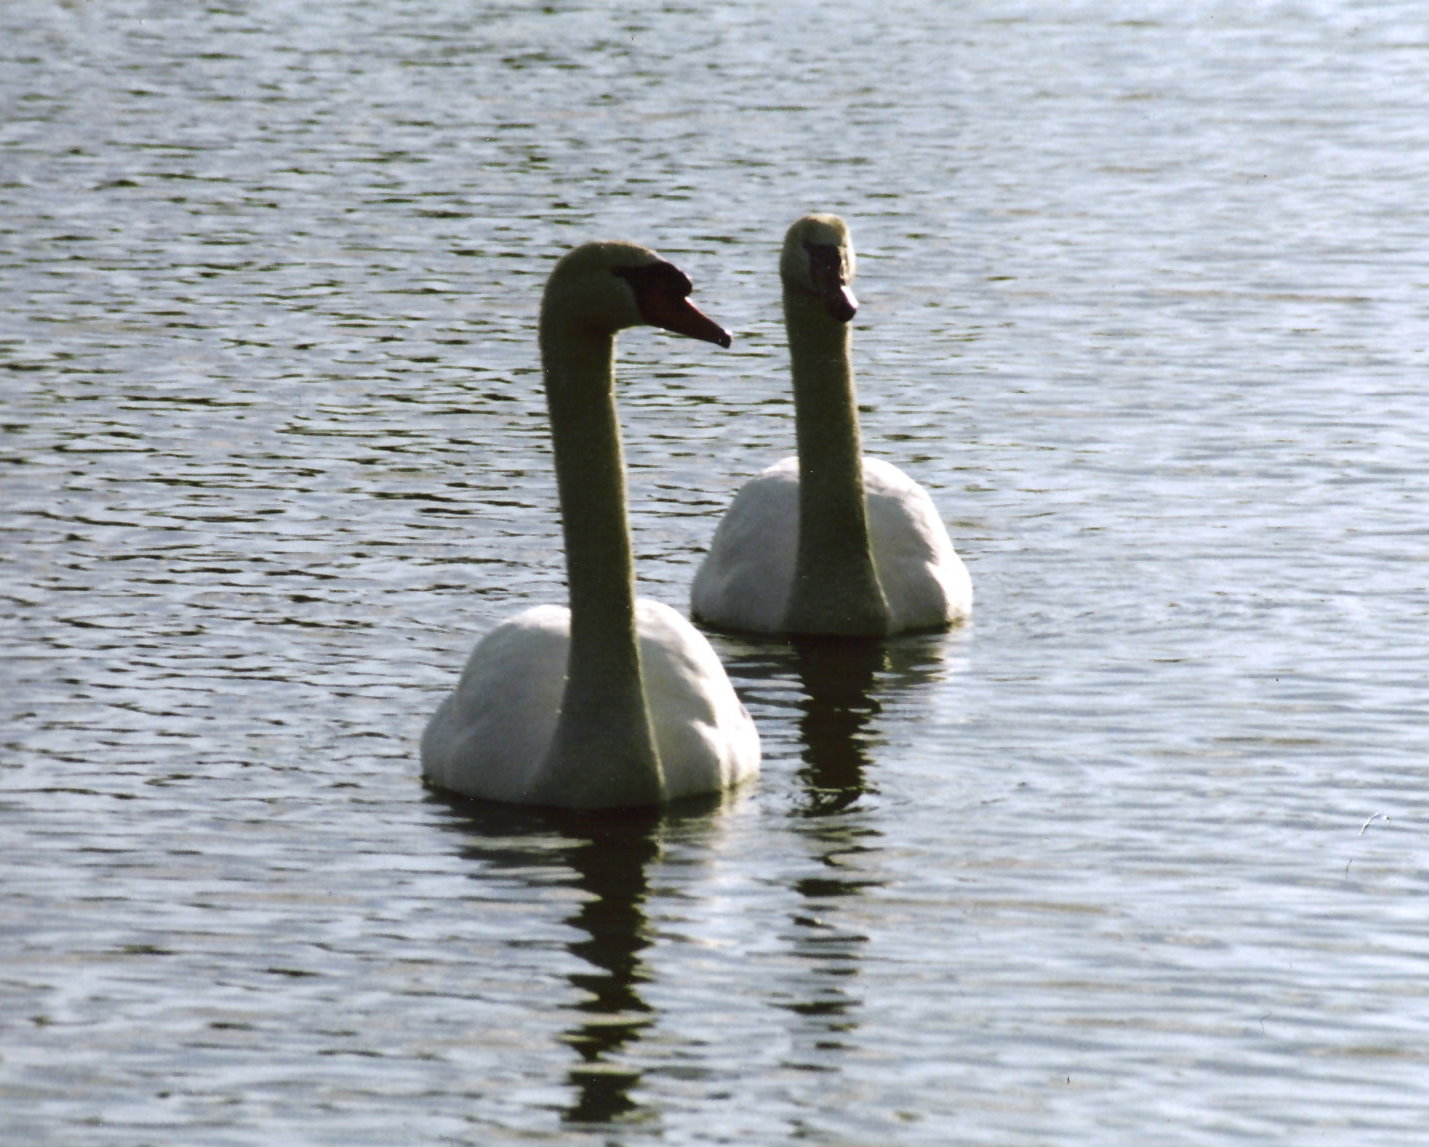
603	751
836	588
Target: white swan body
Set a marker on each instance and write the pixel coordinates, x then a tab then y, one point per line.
829	541
746	580
490	738
609	702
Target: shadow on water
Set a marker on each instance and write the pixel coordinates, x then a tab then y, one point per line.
608	854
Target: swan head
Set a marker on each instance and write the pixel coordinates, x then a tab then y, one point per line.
818	259
606	287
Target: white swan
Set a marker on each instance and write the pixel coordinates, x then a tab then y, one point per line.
611	702
827	542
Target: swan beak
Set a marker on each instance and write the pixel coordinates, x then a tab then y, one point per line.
839	302
662	293
671	313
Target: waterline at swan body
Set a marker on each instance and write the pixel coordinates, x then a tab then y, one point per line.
607	702
829	541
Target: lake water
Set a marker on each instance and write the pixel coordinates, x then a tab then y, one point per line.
1138	856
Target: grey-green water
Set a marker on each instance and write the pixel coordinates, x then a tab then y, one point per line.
1139	856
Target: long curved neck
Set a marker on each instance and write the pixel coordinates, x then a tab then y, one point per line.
603	751
836	588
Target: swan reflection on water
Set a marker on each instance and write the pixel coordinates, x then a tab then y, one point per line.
609	863
842	687
842	684
832	692
606	855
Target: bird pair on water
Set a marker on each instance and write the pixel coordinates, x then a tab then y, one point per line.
617	702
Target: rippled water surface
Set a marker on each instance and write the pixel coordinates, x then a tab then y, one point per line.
1137	856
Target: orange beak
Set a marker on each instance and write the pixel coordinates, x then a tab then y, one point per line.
662	292
671	313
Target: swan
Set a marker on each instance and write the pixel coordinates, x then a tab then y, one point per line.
610	702
827	542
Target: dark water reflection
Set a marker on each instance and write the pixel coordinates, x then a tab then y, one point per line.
604	857
610	866
838	680
841	682
843	687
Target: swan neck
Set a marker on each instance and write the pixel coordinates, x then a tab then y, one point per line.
603	751
836	586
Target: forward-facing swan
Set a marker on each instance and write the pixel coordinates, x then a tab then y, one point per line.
612	702
828	542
